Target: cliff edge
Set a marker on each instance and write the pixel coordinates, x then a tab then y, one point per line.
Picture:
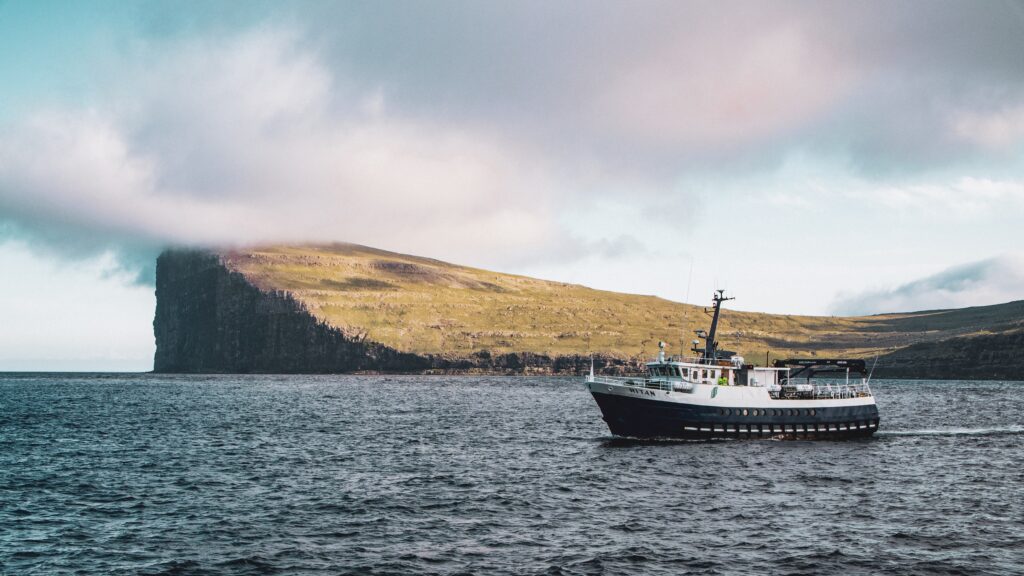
211	318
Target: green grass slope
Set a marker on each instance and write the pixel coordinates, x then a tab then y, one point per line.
427	306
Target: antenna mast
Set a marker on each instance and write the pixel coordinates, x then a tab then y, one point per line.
710	346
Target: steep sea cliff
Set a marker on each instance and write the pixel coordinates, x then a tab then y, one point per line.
211	319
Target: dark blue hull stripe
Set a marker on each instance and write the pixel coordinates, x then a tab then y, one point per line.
642	418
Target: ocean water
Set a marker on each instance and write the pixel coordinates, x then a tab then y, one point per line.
146	474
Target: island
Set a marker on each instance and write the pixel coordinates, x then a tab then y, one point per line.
346	308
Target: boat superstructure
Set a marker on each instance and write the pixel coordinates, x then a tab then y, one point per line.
716	394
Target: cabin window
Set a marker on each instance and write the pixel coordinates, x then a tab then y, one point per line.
813	412
744	411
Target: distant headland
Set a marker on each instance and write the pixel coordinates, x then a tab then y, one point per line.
344	308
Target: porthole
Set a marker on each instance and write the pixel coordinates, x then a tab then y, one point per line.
744	411
813	412
727	412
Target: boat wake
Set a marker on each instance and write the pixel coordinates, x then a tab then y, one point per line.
1000	431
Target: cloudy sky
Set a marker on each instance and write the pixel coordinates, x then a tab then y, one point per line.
811	157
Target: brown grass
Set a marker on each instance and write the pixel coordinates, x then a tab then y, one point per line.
427	306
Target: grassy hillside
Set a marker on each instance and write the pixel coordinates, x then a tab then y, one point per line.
427	306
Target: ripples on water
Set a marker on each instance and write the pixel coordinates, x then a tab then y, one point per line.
420	475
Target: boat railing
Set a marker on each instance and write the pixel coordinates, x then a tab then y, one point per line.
795	389
695	360
643	382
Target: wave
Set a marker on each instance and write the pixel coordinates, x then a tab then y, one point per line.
999	431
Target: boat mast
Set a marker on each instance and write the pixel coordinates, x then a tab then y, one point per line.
710	346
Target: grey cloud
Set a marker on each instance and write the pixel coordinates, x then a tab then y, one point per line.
133	258
990	281
414	126
720	84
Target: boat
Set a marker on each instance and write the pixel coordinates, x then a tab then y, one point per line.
715	394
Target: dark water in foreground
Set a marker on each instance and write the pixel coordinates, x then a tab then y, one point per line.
420	475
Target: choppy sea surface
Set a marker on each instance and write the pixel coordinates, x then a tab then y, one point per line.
147	474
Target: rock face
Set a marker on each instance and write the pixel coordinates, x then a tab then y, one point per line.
210	319
980	357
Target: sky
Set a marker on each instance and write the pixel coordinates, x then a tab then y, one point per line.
809	157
